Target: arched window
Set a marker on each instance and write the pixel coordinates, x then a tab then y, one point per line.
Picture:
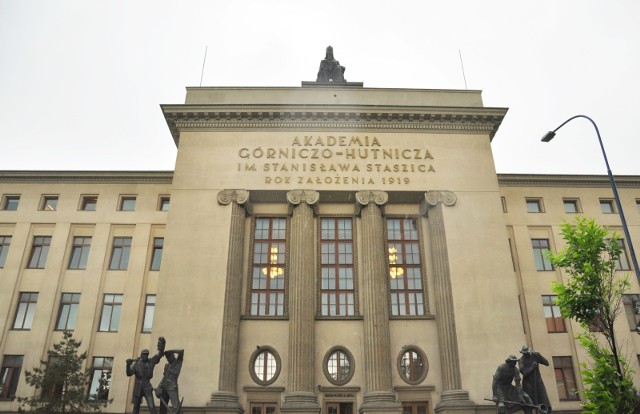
264	365
412	365
338	365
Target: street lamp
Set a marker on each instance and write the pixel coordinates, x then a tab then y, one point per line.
549	136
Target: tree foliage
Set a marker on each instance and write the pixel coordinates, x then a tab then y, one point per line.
60	382
592	296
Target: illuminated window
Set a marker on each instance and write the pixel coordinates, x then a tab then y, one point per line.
336	257
405	267
268	267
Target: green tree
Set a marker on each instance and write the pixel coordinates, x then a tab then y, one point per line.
592	296
60	383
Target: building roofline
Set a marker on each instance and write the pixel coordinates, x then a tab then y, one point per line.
154	177
561	180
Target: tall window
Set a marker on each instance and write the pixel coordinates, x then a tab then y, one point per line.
120	253
39	252
26	309
10	375
111	307
68	313
100	378
631	303
540	249
337	290
5	242
10	203
623	261
552	316
268	268
79	252
565	378
156	256
149	310
405	267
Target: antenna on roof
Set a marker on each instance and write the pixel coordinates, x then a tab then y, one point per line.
462	66
203	61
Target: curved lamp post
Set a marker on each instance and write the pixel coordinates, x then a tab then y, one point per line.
549	136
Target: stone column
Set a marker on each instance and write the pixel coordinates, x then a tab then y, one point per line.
300	396
378	389
452	398
225	400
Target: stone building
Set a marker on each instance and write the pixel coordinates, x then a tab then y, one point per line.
329	248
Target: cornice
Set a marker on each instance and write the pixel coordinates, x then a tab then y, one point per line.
329	117
132	177
568	180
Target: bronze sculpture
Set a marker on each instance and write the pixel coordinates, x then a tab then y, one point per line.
330	69
142	368
509	398
531	379
167	390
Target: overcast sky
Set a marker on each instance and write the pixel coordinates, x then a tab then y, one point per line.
81	81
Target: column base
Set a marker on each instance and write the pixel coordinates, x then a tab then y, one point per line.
225	402
381	402
455	402
300	403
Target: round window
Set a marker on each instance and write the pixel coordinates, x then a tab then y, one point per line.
264	365
412	365
338	365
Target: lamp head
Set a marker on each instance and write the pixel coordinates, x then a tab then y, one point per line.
548	136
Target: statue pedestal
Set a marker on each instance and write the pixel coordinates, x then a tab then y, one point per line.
455	402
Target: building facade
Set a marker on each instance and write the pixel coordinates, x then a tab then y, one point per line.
329	248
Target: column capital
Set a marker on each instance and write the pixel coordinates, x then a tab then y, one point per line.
297	197
366	197
433	198
241	197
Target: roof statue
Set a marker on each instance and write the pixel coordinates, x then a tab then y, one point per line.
330	69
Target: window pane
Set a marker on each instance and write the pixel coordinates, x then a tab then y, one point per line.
337	267
269	267
5	242
405	268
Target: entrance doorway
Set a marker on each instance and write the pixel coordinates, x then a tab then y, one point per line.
340	408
